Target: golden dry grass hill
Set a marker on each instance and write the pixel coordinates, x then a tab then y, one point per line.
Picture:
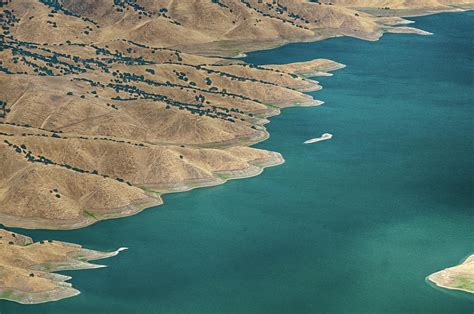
26	268
106	104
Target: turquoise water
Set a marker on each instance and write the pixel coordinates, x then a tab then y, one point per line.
353	224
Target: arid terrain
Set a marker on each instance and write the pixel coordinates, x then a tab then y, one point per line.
106	105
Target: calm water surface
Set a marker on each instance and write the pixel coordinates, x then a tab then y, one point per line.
353	224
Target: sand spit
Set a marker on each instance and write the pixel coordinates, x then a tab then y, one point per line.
408	30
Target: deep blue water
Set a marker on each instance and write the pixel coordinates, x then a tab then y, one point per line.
353	224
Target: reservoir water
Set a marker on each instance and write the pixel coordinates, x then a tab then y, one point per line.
351	224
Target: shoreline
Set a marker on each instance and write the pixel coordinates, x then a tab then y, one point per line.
250	46
443	287
221	177
155	194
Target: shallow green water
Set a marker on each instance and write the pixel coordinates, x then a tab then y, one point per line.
353	224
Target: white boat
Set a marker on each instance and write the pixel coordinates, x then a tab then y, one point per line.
325	136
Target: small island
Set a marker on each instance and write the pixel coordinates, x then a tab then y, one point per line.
325	136
460	277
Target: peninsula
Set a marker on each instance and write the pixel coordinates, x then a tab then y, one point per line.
26	268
